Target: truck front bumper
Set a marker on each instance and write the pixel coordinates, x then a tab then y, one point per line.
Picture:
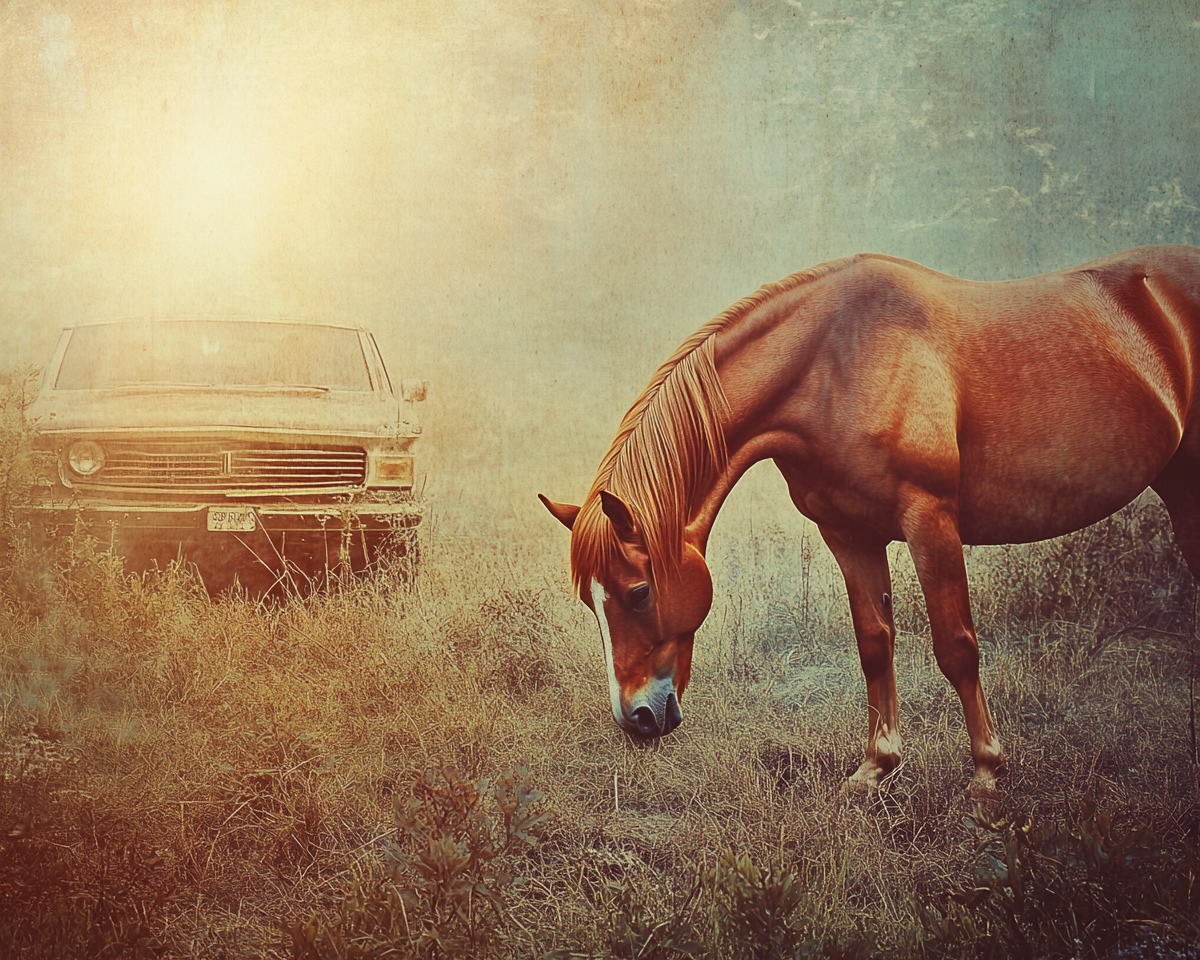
303	540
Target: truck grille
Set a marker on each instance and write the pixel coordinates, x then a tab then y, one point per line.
163	468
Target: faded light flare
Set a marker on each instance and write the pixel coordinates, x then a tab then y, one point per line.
198	158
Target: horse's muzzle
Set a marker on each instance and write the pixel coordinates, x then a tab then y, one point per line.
656	711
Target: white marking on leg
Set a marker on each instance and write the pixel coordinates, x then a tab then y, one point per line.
888	743
614	688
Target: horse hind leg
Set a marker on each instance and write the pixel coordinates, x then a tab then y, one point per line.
1178	486
869	587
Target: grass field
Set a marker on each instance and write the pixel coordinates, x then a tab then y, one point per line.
429	768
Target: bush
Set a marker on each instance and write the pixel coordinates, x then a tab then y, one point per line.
1064	890
640	928
445	894
766	915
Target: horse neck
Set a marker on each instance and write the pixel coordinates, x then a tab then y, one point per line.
766	352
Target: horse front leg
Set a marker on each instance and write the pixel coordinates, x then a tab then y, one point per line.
869	586
931	528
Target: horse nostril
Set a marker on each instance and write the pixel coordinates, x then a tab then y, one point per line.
674	715
646	724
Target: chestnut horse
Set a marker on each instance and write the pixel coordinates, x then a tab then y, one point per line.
899	404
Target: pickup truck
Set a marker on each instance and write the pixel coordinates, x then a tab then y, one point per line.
269	453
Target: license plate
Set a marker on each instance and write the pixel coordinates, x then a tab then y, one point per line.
232	519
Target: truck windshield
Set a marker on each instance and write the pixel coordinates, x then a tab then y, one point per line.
219	353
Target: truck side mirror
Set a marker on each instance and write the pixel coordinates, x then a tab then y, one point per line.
413	391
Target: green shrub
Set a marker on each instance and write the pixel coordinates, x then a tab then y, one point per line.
458	843
1064	890
638	931
767	915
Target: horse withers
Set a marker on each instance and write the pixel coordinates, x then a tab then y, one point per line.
899	404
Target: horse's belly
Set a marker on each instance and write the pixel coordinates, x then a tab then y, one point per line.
1038	518
1010	495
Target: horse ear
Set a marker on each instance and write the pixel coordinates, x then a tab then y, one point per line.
564	513
621	517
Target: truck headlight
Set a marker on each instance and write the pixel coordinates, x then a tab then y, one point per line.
85	457
393	472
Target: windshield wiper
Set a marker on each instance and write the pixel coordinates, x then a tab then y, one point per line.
156	385
190	385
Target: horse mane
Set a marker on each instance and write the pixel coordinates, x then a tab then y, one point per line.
670	446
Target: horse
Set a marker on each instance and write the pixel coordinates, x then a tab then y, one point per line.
900	404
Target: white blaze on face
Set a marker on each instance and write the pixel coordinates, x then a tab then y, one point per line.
614	688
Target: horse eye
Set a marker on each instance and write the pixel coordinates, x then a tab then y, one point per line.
639	595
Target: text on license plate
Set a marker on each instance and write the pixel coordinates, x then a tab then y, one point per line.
231	519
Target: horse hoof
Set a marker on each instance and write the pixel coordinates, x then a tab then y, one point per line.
868	780
985	791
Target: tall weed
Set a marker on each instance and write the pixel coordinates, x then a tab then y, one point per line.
457	856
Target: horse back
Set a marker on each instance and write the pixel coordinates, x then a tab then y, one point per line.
1073	389
1130	321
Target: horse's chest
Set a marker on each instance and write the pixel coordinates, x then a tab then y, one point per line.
842	502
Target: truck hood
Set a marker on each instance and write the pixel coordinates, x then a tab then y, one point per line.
203	409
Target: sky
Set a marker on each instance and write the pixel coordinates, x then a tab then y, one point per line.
532	203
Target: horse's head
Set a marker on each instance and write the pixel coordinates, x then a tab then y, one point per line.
648	617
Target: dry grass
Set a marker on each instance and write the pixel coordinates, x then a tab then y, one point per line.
203	778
